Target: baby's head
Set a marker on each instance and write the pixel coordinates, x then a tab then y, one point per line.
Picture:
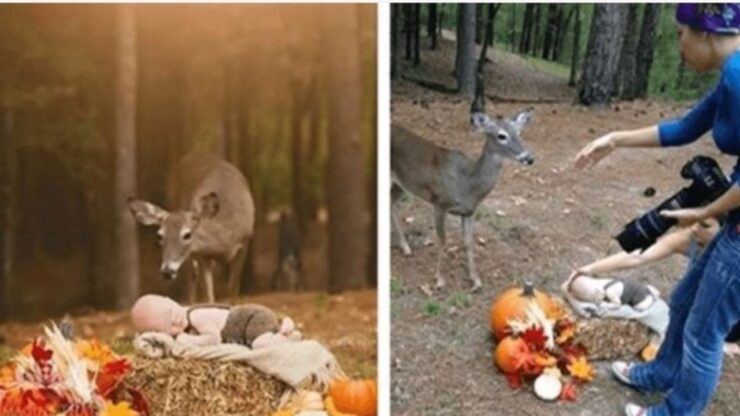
158	313
586	289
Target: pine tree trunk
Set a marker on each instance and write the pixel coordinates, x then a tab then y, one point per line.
466	50
628	60
576	46
479	23
432	25
395	26
348	211
536	33
645	48
602	55
562	28
125	150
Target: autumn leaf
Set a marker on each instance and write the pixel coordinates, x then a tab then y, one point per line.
515	381
581	369
120	409
95	351
569	392
535	338
138	402
544	359
39	353
110	375
565	329
7	375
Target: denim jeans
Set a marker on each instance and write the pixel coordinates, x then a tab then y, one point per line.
705	305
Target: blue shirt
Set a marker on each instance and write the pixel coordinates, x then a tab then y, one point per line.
719	110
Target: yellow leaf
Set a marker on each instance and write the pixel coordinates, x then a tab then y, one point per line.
95	351
7	375
120	409
581	369
566	334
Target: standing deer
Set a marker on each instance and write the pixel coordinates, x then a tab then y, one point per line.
452	182
211	226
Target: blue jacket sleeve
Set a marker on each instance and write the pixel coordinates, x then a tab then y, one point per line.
692	125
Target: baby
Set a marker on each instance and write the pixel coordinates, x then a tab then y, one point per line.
594	296
252	325
617	298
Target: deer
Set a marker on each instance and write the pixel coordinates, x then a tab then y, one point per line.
211	224
451	181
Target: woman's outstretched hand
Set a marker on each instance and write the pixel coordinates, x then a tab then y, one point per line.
595	151
687	216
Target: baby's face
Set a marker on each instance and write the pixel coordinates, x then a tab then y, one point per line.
159	313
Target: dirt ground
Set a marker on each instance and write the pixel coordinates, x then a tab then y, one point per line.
539	223
345	323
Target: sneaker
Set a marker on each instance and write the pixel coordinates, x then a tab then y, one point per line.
632	409
621	371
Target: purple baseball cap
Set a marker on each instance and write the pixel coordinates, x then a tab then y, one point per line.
722	18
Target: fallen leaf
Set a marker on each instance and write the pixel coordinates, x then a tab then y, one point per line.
120	409
569	392
581	369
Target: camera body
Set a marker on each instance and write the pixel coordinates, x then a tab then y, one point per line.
708	183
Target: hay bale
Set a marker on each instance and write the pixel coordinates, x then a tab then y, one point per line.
205	387
611	339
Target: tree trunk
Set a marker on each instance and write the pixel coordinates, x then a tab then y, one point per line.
492	11
562	30
526	36
551	29
395	24
512	28
417	33
645	49
628	60
479	23
536	33
125	150
602	55
9	221
348	211
408	27
432	25
466	50
576	46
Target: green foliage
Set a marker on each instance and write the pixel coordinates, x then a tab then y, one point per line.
396	287
432	308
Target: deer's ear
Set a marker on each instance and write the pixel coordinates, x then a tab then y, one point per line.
208	205
521	118
146	213
479	120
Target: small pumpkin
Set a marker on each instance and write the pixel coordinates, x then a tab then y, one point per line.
512	304
511	354
356	397
649	352
548	387
331	409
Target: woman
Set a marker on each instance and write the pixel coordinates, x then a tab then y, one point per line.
706	302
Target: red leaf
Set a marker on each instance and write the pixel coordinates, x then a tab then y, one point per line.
39	353
569	392
515	381
138	402
535	338
110	375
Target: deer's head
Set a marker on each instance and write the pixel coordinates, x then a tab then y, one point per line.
505	134
176	230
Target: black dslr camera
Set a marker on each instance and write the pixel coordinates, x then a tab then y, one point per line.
708	183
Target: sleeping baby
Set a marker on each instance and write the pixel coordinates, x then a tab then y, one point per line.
617	298
252	325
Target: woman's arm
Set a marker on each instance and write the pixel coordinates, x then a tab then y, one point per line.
601	147
672	243
727	202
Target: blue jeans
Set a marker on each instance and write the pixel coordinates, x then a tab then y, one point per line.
705	305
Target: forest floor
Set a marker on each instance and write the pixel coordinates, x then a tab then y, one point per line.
539	223
345	323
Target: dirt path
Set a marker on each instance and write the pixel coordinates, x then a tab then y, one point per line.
539	223
345	323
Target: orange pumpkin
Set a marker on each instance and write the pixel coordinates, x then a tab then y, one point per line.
512	304
356	397
511	354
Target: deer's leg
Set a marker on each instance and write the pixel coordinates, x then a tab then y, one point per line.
208	277
468	225
236	267
195	273
439	225
396	193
